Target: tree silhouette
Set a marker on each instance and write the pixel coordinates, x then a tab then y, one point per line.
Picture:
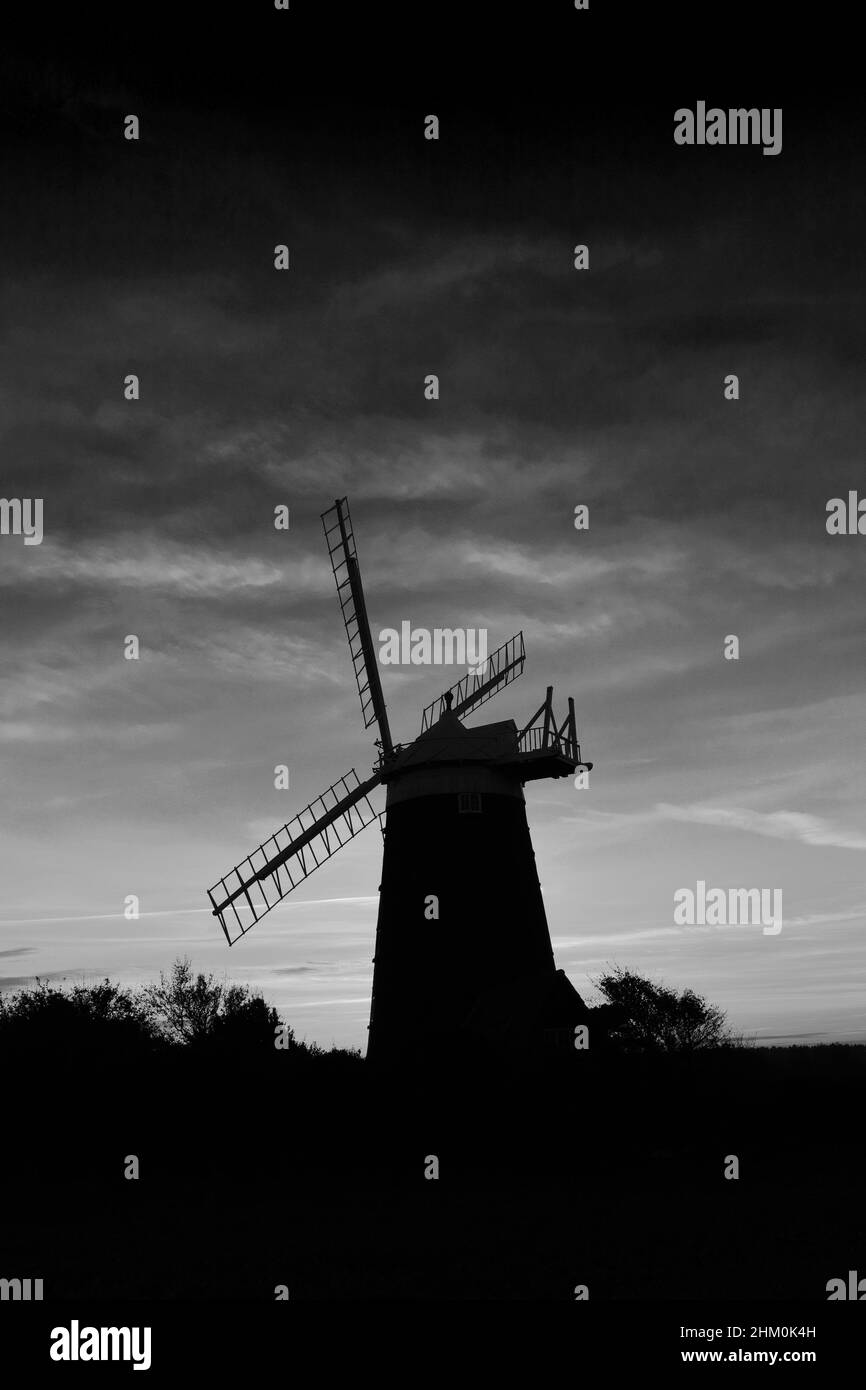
187	1009
643	1016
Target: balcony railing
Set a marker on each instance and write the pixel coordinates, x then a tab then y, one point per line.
535	740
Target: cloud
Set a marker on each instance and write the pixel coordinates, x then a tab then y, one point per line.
819	919
778	825
446	269
98	917
170	912
613	938
129	562
11	981
786	1037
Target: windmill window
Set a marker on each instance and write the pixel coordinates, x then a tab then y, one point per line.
469	803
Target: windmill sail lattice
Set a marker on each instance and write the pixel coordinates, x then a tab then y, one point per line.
344	562
295	851
501	668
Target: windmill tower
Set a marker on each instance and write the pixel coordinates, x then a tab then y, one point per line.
462	942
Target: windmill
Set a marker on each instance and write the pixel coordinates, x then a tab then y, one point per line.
462	942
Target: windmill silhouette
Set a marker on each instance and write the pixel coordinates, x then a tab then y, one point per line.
462	943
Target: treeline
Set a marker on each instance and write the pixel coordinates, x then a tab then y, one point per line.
198	1014
206	1017
202	1080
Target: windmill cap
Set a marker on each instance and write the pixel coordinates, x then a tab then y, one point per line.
450	741
447	725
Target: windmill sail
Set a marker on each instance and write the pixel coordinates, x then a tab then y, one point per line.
347	574
502	666
295	851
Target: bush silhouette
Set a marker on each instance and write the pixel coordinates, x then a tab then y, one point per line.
193	1012
647	1017
101	1019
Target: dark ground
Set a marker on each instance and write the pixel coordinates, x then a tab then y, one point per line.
604	1171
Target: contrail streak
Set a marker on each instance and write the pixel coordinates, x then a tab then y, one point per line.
163	912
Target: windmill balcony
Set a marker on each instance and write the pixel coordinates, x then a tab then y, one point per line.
543	752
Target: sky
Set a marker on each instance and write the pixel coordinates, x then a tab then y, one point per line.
557	388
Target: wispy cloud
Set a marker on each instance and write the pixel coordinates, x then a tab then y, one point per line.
180	569
778	825
169	912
